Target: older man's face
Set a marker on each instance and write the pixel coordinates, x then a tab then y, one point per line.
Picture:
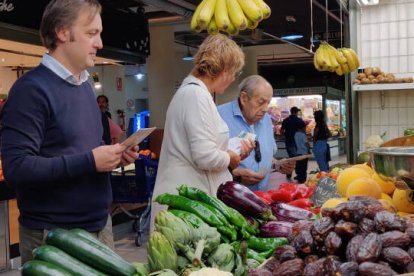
255	106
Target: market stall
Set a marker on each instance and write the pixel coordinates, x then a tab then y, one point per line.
310	99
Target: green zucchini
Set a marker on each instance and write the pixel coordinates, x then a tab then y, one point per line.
82	233
56	256
87	252
41	268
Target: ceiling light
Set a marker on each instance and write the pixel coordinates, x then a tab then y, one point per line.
140	76
367	2
292	36
188	56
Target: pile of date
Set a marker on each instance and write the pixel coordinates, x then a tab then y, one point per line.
358	237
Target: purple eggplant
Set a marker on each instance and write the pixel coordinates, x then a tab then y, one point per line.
276	229
244	200
286	212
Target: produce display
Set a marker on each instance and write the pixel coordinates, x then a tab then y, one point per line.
341	61
365	229
374	75
229	16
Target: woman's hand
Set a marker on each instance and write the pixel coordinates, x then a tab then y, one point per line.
234	159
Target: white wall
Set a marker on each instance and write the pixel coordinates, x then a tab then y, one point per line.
386	39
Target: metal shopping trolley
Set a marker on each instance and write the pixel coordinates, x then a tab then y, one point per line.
136	187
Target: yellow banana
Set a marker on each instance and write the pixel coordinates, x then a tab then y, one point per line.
356	59
349	59
221	15
251	10
345	68
236	15
339	71
266	11
331	54
194	19
326	58
252	24
212	27
232	30
338	55
320	57
315	63
206	13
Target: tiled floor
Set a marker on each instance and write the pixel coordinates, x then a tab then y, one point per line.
125	237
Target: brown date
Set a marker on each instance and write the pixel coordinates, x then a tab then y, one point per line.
333	243
299	226
372	210
348	269
313	269
410	231
259	272
374	269
346	228
285	253
366	200
310	259
353	247
411	252
351	211
409	268
321	228
293	267
397	256
395	238
387	221
331	265
366	226
270	264
370	248
303	242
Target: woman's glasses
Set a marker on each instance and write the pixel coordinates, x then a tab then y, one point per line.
257	153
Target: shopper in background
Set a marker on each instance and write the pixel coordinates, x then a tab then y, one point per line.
103	103
302	148
249	114
195	144
289	127
112	131
321	134
51	137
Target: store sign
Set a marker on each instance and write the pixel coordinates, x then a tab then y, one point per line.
6	7
299	91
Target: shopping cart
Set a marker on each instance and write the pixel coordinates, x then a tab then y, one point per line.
136	187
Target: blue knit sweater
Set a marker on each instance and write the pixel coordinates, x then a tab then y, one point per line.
49	130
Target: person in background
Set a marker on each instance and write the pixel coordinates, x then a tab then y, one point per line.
288	129
103	103
249	113
51	137
112	131
195	150
302	148
321	134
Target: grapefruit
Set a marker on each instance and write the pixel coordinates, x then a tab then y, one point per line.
346	177
364	186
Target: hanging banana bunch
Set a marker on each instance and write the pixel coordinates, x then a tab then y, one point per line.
229	16
341	61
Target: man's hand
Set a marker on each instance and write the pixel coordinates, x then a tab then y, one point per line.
248	177
284	167
247	145
129	156
110	157
234	159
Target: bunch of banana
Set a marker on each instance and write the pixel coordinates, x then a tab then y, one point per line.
341	61
229	16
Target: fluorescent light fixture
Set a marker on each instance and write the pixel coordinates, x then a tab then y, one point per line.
292	37
98	85
367	2
140	76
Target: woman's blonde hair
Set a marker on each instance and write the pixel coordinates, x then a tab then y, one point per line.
216	54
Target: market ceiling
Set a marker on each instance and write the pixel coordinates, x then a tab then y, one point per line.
317	16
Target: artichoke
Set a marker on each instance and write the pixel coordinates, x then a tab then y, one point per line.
210	235
164	272
174	228
223	257
142	269
161	253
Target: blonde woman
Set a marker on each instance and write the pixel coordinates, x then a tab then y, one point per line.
195	144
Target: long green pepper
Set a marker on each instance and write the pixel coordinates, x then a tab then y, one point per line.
265	244
231	214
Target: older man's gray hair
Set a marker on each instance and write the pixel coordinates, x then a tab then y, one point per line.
250	83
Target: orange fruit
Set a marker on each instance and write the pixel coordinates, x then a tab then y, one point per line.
364	186
347	176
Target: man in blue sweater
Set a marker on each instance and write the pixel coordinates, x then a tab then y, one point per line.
51	138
